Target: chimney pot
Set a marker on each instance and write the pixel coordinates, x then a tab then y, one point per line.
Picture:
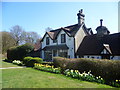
81	11
101	22
80	17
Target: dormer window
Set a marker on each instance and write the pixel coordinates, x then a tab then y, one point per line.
63	38
47	41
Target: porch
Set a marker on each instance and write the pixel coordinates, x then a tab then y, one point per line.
55	51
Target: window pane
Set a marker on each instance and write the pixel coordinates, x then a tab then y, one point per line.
47	40
63	38
54	41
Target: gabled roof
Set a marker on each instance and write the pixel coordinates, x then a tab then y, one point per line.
93	45
69	30
107	47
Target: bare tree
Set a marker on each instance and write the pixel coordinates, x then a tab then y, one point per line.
48	29
31	37
18	34
22	37
7	41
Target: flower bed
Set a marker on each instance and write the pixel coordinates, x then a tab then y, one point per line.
76	74
17	62
47	68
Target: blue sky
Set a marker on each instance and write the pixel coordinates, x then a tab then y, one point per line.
37	16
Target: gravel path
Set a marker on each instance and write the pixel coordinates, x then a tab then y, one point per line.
11	67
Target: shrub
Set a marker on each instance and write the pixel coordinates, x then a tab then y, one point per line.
108	69
48	63
18	52
26	60
9	61
29	61
17	62
37	60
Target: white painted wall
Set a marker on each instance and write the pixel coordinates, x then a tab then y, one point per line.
44	41
69	43
115	58
90	56
99	57
79	37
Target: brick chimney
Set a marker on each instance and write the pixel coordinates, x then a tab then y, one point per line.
80	17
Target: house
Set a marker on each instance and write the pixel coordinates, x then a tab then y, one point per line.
36	52
102	45
65	41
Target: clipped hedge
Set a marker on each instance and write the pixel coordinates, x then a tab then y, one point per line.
18	52
47	63
30	61
108	69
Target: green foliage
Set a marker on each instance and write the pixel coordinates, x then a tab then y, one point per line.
19	52
108	69
83	76
30	61
31	78
48	63
7	41
47	68
26	60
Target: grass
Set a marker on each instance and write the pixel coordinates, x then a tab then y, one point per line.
31	78
5	64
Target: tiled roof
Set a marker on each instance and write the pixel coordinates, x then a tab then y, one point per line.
70	30
102	28
93	45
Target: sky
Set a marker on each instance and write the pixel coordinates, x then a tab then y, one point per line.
37	16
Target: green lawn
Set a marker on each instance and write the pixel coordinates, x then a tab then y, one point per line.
31	78
5	64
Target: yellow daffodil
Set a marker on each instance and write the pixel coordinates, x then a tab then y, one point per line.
99	77
81	75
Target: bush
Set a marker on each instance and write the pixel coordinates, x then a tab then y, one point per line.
30	61
19	52
48	63
108	69
26	60
9	61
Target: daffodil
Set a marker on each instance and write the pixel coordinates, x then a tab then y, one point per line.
52	66
81	75
99	77
72	71
116	80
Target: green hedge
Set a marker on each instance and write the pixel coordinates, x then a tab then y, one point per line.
19	52
108	69
30	61
47	63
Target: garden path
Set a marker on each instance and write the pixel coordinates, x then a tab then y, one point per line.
11	67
